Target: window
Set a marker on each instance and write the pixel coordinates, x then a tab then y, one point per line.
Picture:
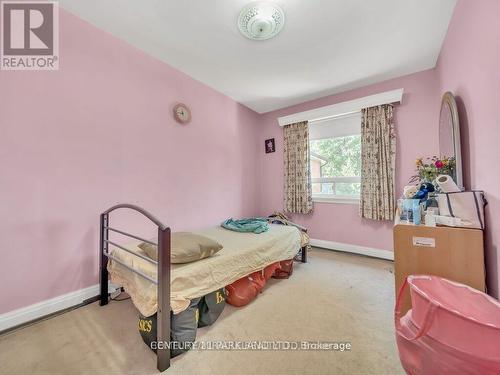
335	146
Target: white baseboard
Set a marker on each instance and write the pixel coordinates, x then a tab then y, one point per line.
47	307
355	249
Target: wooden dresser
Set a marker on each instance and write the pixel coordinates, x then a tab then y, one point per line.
453	253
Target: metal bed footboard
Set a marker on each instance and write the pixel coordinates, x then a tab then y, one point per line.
163	281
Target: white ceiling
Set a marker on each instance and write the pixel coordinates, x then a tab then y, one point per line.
326	46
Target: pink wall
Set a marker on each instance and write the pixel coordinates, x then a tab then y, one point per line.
416	124
97	132
469	66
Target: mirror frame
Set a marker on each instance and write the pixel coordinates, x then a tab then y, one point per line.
449	100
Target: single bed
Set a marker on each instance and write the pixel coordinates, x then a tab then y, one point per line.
159	286
242	254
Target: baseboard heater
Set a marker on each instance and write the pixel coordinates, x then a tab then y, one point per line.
353	249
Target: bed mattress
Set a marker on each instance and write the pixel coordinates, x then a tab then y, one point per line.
242	254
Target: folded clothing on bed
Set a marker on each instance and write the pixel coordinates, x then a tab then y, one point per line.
242	254
255	225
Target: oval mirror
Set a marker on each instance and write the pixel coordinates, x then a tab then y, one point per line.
449	135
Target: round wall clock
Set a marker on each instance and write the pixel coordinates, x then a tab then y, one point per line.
182	114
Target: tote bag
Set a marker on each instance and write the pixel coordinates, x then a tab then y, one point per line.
467	206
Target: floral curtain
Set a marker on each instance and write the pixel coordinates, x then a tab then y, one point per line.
298	190
378	157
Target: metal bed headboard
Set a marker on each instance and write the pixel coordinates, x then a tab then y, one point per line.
163	281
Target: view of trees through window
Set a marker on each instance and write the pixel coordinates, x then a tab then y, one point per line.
338	158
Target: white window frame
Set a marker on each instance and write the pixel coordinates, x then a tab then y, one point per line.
336	110
334	198
339	131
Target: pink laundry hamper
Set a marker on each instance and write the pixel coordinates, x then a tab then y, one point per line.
451	329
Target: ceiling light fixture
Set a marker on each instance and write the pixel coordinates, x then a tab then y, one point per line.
261	20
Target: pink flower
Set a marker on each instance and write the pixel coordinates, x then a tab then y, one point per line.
439	164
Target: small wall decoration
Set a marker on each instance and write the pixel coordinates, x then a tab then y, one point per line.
182	114
270	147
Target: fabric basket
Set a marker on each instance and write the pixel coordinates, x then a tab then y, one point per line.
210	307
467	206
451	329
183	328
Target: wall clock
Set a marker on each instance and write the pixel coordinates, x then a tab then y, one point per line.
182	114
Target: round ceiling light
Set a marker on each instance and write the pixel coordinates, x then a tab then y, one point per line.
261	20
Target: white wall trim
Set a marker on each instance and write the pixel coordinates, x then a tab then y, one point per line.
344	108
47	307
355	249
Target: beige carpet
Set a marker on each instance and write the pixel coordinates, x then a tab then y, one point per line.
334	297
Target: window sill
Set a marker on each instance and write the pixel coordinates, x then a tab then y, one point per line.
336	200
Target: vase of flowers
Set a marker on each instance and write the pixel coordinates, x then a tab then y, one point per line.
429	168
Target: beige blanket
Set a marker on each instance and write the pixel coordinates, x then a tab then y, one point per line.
243	253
